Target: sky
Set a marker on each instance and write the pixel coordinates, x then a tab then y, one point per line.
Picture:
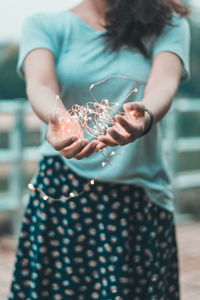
13	13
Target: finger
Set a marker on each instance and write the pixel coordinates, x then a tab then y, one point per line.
119	138
128	126
100	146
137	107
69	153
87	151
107	140
60	144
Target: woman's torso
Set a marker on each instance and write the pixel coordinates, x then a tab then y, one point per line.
82	60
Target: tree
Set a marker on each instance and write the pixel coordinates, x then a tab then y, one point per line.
11	85
192	87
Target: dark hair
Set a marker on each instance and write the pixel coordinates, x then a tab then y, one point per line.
128	22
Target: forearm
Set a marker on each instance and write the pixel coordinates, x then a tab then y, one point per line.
159	99
42	99
162	84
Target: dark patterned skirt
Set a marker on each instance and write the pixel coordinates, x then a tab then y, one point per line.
110	243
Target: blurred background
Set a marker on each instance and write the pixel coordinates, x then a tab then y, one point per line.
20	138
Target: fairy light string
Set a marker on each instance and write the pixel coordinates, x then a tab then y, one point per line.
94	119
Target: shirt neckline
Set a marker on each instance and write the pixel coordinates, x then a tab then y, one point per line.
85	24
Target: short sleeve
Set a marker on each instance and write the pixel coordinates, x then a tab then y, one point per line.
176	39
37	32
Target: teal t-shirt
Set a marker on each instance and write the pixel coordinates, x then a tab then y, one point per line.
82	59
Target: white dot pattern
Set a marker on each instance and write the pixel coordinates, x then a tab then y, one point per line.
110	243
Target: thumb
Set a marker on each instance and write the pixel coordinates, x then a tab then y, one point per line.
55	118
59	106
58	113
137	108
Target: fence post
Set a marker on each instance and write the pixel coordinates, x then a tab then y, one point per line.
171	138
16	181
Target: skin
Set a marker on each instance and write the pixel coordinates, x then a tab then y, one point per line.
41	83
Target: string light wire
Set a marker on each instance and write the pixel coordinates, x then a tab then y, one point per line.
94	119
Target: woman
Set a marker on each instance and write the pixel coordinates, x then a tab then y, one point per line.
117	239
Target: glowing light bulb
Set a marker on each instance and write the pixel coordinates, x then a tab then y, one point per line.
31	187
93	118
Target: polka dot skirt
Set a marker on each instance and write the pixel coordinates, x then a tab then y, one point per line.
110	243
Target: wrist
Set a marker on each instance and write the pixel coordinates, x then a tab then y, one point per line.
149	121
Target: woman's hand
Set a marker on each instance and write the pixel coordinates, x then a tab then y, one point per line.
128	127
67	138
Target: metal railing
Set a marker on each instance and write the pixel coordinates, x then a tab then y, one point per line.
176	145
17	154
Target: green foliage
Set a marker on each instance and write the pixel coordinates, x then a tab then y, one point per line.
11	85
192	87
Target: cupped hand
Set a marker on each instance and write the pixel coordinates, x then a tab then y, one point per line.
127	128
66	136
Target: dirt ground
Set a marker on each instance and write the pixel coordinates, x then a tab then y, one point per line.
188	237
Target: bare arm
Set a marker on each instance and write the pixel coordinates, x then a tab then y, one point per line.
158	95
162	84
41	82
41	88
